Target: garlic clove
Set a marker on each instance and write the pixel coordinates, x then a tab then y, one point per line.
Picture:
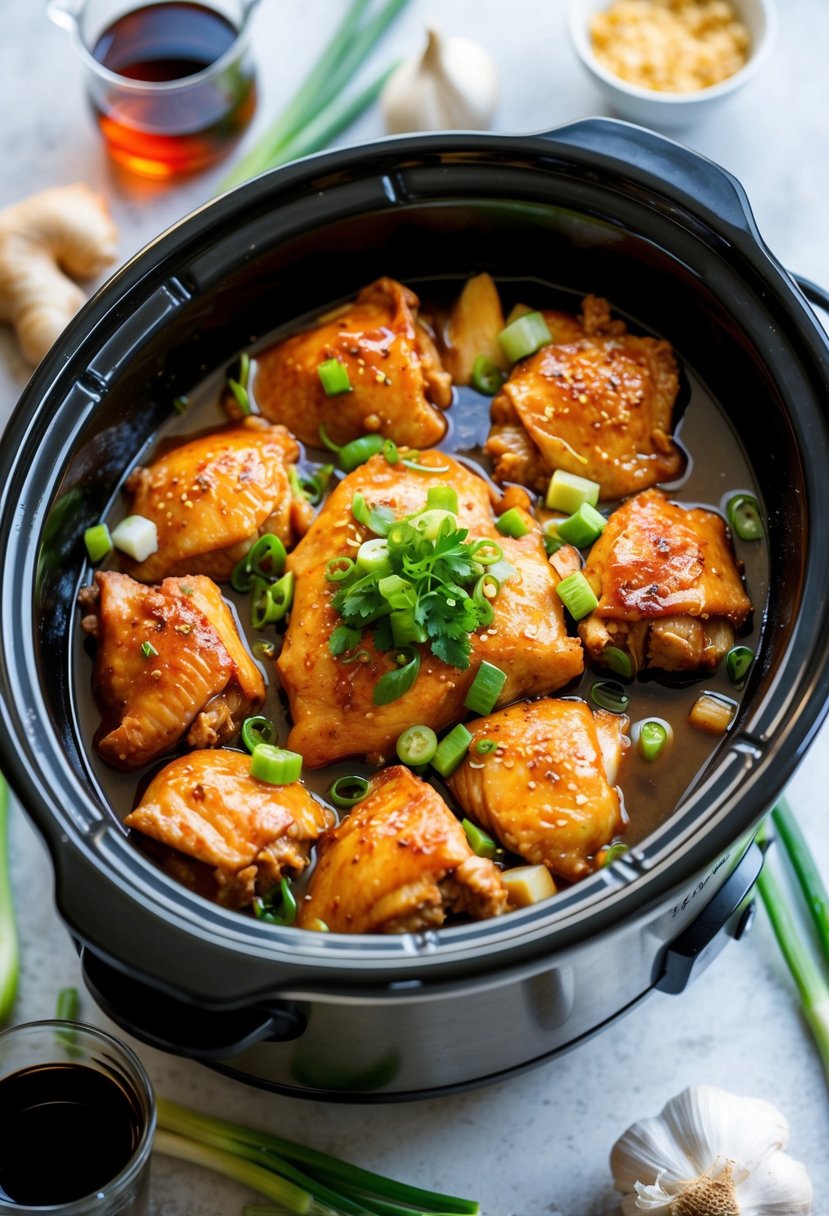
778	1187
713	1123
453	85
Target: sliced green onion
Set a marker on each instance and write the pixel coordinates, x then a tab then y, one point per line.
397	592
405	630
619	661
136	536
181	404
270	602
373	556
334	377
98	542
485	689
512	523
390	453
417	467
394	684
359	656
486	552
480	842
338	569
652	739
577	595
613	852
552	540
582	527
311	486
376	519
434	523
743	513
275	765
567	491
417	745
273	913
486	377
737	663
451	750
484	746
485	591
607	694
257	730
442	498
265	559
348	791
263	649
240	396
148	650
318	926
359	451
244	369
524	336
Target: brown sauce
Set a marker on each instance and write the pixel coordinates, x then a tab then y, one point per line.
716	468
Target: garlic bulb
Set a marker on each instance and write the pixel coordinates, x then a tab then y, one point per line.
453	85
710	1153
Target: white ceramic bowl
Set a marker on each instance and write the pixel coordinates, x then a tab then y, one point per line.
651	108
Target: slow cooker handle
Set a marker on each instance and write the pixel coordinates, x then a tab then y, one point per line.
186	1030
674	168
728	915
813	292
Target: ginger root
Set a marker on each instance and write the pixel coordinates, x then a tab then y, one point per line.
63	229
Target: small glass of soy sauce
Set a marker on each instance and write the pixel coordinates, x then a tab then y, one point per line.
77	1114
171	83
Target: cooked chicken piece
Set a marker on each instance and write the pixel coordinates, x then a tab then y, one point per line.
226	834
596	402
669	591
398	863
331	700
547	790
393	367
212	497
169	661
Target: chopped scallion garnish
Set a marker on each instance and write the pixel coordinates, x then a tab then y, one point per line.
279	906
451	750
483	747
265	559
485	689
148	650
442	498
98	542
334	377
513	523
619	661
338	569
373	556
181	404
524	336
743	513
405	629
607	694
275	765
582	527
346	792
737	663
567	491
486	377
613	852
417	745
256	730
577	595
240	396
651	739
270	602
480	842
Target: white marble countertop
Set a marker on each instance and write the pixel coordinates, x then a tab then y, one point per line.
537	1144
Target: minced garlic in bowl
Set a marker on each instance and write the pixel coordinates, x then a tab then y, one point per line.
671	46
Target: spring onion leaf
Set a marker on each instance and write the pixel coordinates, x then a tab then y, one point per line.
98	542
334	378
577	595
278	907
258	730
9	958
512	523
480	842
485	689
451	750
397	682
346	792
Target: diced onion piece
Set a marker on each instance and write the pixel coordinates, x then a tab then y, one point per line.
98	542
275	765
451	750
583	527
577	595
334	377
528	885
567	491
481	844
442	498
712	713
513	523
485	689
524	336
136	536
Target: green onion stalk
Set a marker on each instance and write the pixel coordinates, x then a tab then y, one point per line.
809	974
9	959
297	1179
318	113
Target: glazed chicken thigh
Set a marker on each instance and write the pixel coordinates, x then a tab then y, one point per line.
212	497
393	368
397	863
331	700
669	591
169	662
224	833
596	402
547	790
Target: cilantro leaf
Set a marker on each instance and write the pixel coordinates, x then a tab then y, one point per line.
343	639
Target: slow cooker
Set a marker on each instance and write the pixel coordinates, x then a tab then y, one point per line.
599	206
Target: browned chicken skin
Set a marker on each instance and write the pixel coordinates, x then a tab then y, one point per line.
397	863
197	679
547	790
227	834
393	367
669	591
211	497
331	701
596	402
